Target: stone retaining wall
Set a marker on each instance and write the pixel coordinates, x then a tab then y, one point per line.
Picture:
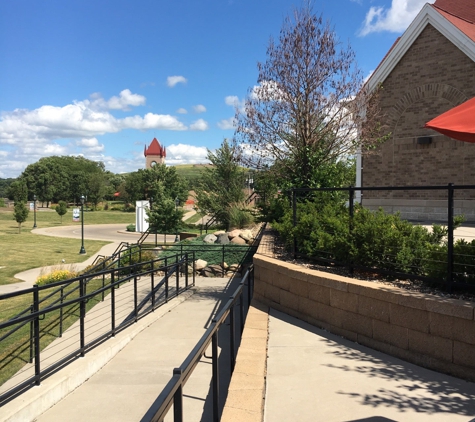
429	331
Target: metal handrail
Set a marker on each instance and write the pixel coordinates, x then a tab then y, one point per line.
172	394
134	272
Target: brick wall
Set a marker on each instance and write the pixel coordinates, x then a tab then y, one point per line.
432	77
429	331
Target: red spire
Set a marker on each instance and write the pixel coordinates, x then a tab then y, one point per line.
155	149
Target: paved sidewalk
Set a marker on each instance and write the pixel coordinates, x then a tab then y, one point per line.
313	375
136	365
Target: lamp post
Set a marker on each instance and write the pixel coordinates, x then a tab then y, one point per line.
82	251
34	210
177	201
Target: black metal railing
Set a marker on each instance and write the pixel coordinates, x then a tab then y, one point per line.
83	312
458	258
172	394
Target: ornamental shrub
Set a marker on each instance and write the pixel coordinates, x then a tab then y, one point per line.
55	276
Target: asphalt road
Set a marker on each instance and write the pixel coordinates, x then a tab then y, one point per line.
108	232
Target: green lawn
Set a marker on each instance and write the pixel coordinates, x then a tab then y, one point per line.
23	251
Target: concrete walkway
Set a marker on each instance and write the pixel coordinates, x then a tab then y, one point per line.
313	375
120	379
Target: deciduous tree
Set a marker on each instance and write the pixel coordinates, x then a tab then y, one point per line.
310	106
20	213
61	209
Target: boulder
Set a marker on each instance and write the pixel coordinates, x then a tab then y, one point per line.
200	264
233	268
219	232
246	235
222	239
238	240
212	271
210	238
224	265
234	233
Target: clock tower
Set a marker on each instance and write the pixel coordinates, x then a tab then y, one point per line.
154	154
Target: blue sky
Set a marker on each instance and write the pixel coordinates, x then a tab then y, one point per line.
102	78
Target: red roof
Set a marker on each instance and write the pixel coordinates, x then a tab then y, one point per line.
461	13
155	149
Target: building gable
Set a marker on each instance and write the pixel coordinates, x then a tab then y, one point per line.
429	15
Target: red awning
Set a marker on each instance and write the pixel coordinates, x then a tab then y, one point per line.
457	123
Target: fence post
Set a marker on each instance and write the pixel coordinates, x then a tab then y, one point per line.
152	281
351	199
82	316
61	313
194	268
32	335
36	333
222	263
166	279
232	337
113	304
135	296
294	221
186	269
178	399
215	380
450	237
177	275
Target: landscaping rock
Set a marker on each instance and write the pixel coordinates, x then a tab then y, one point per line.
200	264
246	235
210	238
224	265
233	268
219	232
222	239
234	233
238	240
212	271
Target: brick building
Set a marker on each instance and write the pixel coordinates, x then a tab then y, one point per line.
429	70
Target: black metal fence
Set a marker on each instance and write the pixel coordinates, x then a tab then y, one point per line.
453	259
172	394
82	313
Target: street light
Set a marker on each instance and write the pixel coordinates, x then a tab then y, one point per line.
177	201
34	210
82	251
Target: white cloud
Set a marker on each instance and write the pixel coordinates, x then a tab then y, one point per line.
200	124
393	19
28	135
200	108
173	80
232	100
182	111
122	102
226	124
79	120
186	154
90	144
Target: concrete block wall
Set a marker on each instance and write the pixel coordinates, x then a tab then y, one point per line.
429	331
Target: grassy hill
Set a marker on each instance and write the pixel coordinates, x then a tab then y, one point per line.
191	172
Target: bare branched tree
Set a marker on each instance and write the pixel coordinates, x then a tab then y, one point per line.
310	105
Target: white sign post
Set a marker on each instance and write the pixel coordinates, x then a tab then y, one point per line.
141	224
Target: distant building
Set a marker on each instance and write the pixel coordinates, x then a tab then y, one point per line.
154	154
